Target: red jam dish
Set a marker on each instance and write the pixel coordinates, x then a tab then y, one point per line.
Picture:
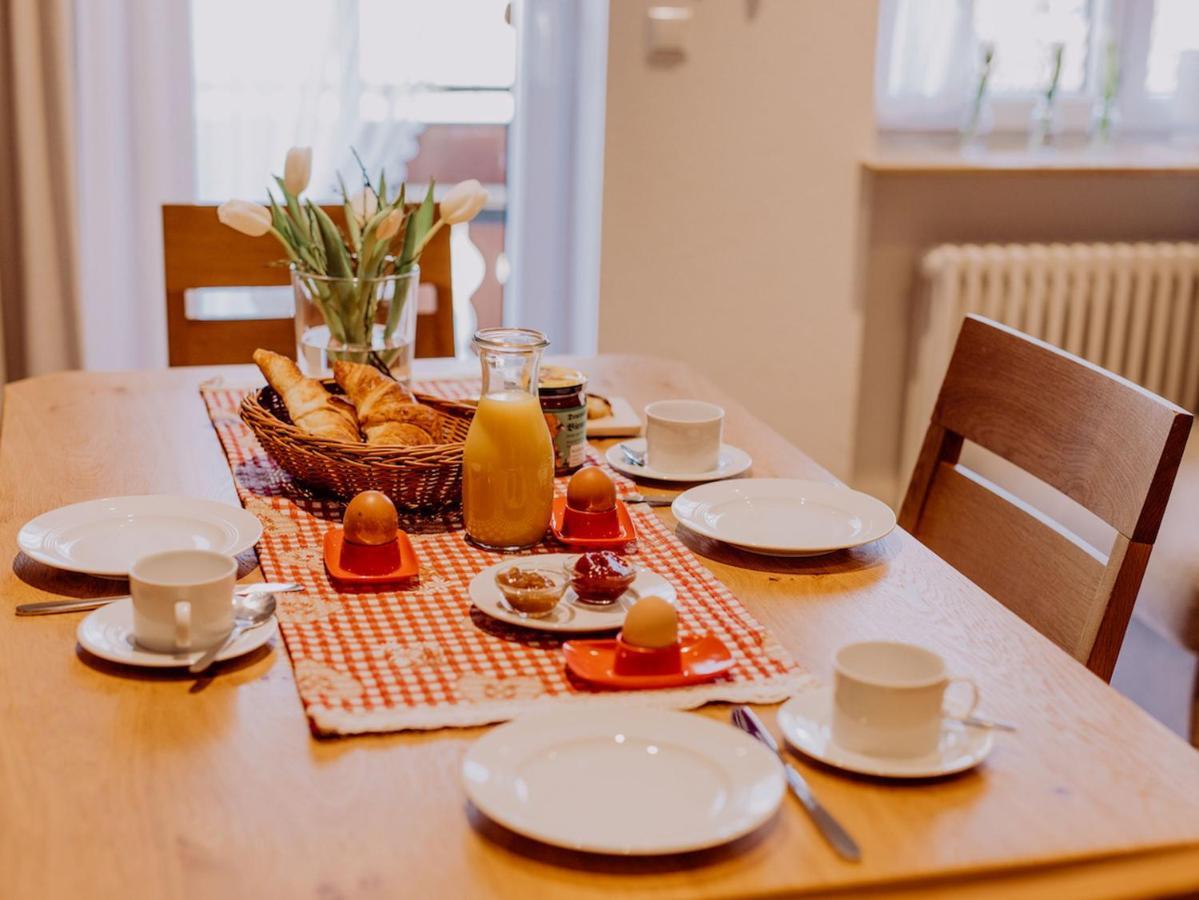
601	576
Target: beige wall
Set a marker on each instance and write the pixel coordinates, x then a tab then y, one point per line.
731	205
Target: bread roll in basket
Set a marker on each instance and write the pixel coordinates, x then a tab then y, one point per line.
424	476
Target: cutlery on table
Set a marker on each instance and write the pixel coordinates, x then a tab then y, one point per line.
648	501
258	607
61	606
635	457
745	719
981	722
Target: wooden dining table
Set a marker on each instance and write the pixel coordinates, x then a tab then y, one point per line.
118	782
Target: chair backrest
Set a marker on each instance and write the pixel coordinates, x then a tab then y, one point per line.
200	252
1104	442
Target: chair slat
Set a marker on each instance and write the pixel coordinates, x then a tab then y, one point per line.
200	252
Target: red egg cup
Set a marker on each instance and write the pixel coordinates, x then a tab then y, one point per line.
579	523
366	564
603	663
611	530
633	660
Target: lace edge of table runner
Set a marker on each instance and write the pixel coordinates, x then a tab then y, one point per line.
328	722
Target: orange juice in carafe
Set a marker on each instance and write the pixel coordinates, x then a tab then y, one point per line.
508	460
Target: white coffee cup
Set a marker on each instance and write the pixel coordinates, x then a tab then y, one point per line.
182	599
888	696
683	436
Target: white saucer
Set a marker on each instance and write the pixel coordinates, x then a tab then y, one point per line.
104	537
108	634
635	782
732	461
806	722
784	516
570	615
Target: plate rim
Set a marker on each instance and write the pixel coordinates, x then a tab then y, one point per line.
775	550
35	549
542	624
659	718
249	641
615	459
813	693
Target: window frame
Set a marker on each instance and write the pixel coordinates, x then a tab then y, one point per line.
1138	111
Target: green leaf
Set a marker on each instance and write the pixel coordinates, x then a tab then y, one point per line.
382	187
418	224
351	217
293	208
337	261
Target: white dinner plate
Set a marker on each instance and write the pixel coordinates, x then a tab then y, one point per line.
570	615
806	723
104	537
108	634
731	461
627	781
784	516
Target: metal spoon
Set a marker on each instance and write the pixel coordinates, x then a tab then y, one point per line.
60	606
981	722
648	501
256	610
635	457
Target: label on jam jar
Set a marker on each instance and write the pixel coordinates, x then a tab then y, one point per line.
564	403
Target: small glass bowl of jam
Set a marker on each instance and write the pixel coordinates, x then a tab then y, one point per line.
600	577
531	591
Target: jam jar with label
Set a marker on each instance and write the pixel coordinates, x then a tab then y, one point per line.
563	395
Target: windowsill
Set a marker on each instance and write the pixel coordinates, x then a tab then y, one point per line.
942	154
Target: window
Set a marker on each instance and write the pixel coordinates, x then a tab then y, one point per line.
424	90
930	53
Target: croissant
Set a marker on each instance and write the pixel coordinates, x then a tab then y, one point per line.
311	407
388	413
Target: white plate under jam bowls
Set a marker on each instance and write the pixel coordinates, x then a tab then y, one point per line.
104	537
731	461
634	782
571	615
108	634
806	721
784	516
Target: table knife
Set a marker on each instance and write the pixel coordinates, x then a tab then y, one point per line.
50	607
745	719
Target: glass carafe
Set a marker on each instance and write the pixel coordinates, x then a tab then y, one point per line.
508	461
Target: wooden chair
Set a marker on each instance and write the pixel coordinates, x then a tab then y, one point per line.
200	252
1106	443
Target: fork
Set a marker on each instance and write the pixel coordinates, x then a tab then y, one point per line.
745	719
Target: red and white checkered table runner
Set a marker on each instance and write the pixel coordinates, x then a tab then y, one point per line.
423	657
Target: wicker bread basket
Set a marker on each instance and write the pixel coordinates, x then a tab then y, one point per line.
422	478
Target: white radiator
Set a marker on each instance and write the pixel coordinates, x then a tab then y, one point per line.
1131	308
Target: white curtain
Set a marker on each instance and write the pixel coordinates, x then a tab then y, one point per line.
135	152
38	259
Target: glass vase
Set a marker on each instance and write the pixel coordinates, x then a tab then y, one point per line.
362	320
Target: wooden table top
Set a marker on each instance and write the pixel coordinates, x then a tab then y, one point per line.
116	782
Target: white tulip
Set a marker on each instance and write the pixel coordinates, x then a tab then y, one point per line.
297	169
462	202
390	226
365	204
249	218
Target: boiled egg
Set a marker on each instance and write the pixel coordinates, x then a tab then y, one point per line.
651	622
590	490
371	519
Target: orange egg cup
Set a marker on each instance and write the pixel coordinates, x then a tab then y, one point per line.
609	530
616	664
364	564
